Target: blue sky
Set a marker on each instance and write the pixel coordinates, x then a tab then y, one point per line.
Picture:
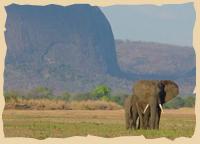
171	24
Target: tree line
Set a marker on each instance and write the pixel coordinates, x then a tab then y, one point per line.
100	92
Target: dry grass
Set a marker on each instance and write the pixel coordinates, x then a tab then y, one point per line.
46	104
41	124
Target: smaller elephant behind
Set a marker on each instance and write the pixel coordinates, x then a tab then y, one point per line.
132	112
130	109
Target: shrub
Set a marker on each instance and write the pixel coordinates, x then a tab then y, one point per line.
64	96
41	93
94	105
12	96
118	98
101	91
189	101
82	96
178	102
53	104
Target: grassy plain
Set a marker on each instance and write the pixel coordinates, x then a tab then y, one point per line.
42	124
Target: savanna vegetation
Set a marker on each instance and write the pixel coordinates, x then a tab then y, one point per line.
39	113
101	97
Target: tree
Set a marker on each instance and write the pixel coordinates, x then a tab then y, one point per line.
189	101
12	95
65	96
101	92
41	92
119	98
177	102
82	96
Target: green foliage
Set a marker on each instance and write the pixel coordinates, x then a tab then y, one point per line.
11	96
189	101
118	98
64	96
41	92
101	92
178	102
82	96
105	98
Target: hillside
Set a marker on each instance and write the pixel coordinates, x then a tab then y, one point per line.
73	49
158	60
58	47
153	58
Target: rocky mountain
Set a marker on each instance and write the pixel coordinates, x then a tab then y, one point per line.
73	49
54	43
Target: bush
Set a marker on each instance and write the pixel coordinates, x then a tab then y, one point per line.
189	101
118	98
82	96
64	96
46	104
178	102
12	96
101	91
105	98
41	93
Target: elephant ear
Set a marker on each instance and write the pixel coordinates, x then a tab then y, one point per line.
171	89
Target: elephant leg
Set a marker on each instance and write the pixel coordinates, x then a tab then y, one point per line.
153	114
159	110
128	112
146	118
128	119
131	117
140	113
134	115
158	118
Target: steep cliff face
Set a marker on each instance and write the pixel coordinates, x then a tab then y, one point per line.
55	41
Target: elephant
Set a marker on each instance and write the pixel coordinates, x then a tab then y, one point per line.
146	102
131	114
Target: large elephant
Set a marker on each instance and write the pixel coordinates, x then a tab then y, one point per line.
147	100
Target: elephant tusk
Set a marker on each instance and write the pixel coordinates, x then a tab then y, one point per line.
161	107
146	108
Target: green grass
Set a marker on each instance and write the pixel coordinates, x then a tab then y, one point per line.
41	124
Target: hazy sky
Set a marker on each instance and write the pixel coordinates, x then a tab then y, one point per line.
172	24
